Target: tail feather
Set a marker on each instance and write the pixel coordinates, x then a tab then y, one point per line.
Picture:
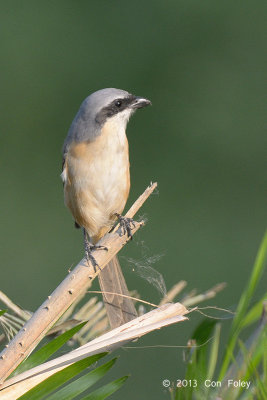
119	309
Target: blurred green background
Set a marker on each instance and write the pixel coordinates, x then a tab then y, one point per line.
202	64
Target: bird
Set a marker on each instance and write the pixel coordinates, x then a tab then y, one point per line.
96	179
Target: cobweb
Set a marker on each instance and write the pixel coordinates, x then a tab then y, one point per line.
144	269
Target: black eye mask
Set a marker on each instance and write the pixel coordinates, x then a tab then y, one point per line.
114	108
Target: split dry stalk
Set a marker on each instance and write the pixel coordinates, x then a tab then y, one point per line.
65	294
166	314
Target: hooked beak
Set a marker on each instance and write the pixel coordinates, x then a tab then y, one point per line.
140	102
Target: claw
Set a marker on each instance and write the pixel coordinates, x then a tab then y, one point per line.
126	224
89	248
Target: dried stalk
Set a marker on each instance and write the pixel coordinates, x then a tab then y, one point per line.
65	294
165	315
209	294
25	315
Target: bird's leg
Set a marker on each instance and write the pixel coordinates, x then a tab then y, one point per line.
126	224
89	247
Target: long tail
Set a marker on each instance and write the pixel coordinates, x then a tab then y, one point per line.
119	309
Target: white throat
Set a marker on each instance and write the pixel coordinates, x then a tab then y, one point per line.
116	127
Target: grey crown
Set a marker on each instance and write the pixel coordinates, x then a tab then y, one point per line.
85	125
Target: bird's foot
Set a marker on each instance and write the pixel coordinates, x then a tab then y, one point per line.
126	224
89	248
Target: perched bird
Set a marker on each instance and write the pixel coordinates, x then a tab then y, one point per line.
97	182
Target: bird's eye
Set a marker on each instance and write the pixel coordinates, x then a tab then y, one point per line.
118	103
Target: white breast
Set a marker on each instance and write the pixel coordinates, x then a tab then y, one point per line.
111	166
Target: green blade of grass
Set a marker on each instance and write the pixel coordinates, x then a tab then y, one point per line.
107	390
47	350
202	335
255	347
245	366
83	383
191	364
59	378
214	351
197	365
264	361
252	284
185	393
254	313
244	303
252	371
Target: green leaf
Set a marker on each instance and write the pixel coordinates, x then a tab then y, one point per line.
252	370
107	390
254	313
203	331
214	352
41	355
253	349
186	393
191	369
59	378
2	312
244	303
81	384
245	365
197	365
264	361
252	284
202	335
